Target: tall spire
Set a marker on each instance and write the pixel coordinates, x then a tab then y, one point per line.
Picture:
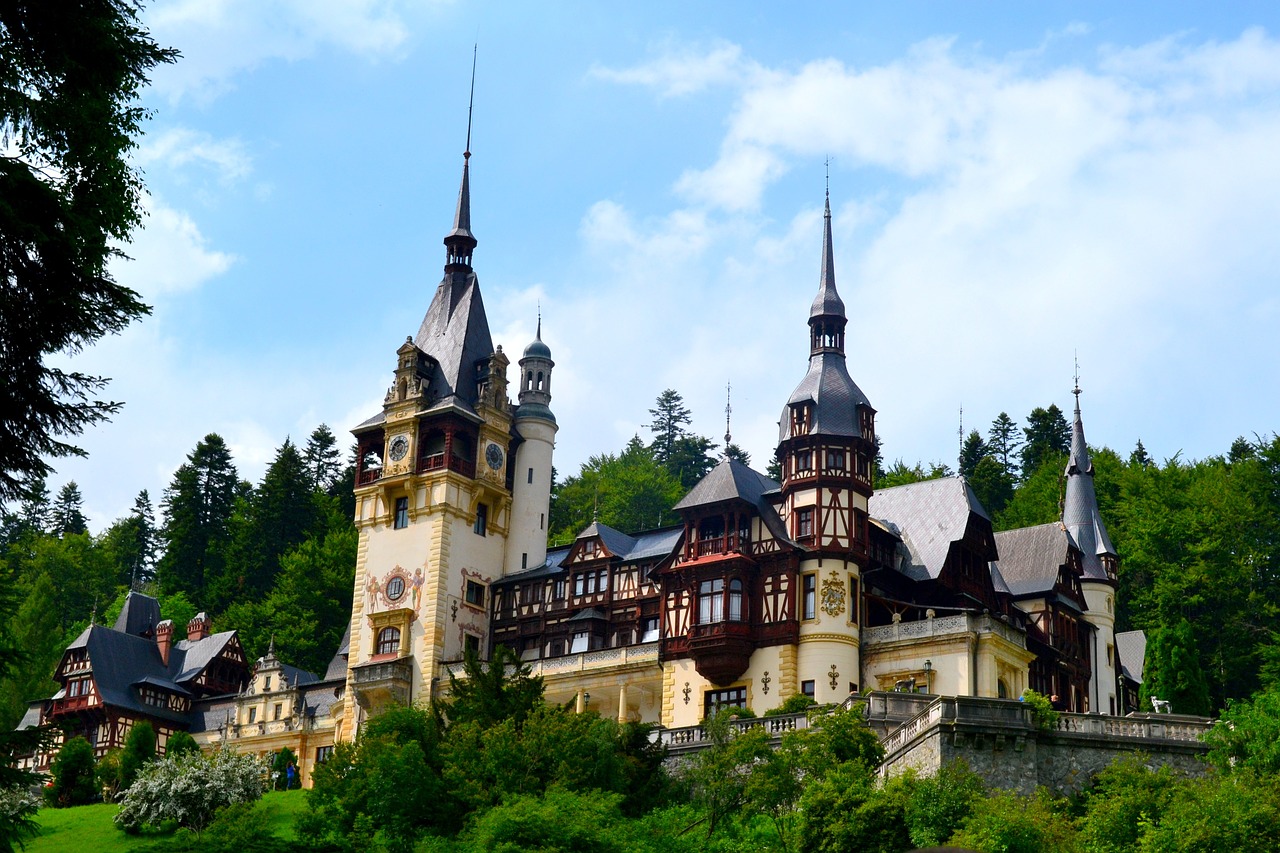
460	242
826	314
1080	514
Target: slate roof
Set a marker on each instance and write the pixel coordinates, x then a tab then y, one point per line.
338	666
618	543
140	614
1080	513
1131	646
188	658
120	661
730	480
927	516
1030	557
208	714
319	698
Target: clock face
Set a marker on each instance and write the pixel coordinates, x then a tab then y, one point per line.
493	455
399	447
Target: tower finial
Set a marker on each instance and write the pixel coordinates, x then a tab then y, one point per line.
1076	389
539	334
728	410
960	433
471	101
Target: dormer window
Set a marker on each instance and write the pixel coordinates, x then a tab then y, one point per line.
801	419
266	684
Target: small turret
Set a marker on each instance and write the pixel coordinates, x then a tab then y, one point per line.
536	427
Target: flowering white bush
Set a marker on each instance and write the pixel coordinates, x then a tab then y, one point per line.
190	788
18	807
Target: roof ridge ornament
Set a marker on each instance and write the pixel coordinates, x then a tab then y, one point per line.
728	410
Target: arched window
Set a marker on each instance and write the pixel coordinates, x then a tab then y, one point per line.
388	641
735	600
1002	689
539	386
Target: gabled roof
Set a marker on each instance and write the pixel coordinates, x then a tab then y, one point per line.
188	658
120	661
1131	647
729	480
928	516
618	543
1031	557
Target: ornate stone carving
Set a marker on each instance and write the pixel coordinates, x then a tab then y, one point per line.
833	594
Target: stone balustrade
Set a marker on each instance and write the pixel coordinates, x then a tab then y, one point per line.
937	627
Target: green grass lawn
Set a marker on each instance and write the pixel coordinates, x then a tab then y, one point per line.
88	829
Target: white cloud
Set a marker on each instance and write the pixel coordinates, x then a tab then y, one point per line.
181	147
1125	211
221	38
685	70
168	254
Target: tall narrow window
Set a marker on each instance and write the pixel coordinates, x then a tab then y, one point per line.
482	519
711	601
735	600
810	596
530	475
402	513
804	523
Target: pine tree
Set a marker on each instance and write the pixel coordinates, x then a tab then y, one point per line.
280	514
736	453
35	513
198	506
322	458
1139	458
670	417
1003	440
68	515
973	451
1047	435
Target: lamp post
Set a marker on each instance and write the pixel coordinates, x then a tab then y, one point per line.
928	669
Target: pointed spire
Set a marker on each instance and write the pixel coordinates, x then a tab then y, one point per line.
828	302
728	411
1080	515
460	242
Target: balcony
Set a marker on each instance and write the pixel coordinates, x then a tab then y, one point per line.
964	623
721	651
383	682
368	476
593	661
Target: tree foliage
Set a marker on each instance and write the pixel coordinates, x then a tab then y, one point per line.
74	780
69	85
198	505
139	751
630	491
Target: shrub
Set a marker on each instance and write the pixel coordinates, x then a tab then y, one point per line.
238	828
794	704
139	750
938	805
1125	797
280	769
1009	823
74	779
109	774
189	789
1043	715
180	743
18	807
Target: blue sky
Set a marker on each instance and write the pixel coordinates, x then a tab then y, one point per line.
1014	186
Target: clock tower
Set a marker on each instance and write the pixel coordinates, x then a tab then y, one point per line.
433	496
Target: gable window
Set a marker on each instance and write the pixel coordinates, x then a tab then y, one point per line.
714	700
253	715
482	519
810	589
402	513
389	641
266	684
475	594
804	523
711	601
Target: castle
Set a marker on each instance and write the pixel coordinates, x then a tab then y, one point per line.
817	585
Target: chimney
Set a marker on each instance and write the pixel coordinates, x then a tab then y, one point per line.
164	639
198	627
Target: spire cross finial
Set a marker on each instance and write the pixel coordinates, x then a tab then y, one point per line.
539	335
828	165
728	410
471	101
